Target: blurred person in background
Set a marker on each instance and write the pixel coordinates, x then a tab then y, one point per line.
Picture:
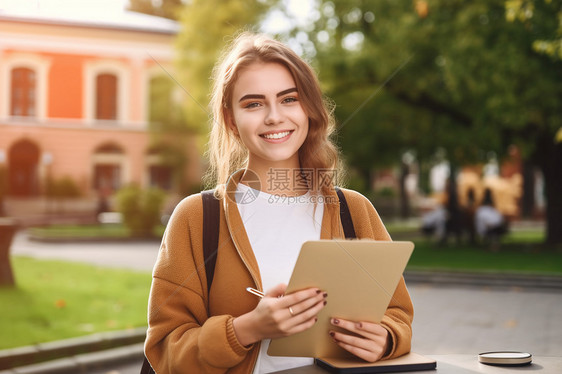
490	224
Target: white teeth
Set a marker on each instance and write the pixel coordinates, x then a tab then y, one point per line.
278	135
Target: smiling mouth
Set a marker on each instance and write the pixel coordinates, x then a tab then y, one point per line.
277	135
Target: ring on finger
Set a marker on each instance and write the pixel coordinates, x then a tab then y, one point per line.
291	311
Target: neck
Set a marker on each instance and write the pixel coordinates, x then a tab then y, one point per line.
276	178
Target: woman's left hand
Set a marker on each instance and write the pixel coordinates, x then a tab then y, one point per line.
370	345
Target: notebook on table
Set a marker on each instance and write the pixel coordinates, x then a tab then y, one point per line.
409	362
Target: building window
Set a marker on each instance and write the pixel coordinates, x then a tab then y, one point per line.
23	92
107	177
108	162
160	176
160	167
106	97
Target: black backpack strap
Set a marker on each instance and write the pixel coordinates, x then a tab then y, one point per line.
146	368
211	223
345	216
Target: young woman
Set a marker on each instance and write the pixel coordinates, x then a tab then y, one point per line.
273	164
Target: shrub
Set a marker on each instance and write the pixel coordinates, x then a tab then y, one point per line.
140	209
64	187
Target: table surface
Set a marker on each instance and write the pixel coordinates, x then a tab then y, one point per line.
463	364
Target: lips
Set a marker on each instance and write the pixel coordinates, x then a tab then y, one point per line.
276	135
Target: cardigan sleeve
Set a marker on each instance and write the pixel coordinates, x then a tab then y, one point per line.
400	312
180	333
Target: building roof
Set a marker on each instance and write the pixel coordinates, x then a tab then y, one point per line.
92	17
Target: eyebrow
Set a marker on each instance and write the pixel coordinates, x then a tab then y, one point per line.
254	96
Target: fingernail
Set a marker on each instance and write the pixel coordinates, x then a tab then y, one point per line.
325	295
360	325
318	292
325	302
335	321
332	334
315	319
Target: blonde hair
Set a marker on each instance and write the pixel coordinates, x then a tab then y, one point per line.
227	153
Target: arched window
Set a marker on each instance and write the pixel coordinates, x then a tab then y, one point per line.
160	172
108	161
23	91
106	97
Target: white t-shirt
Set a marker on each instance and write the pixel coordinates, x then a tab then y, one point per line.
276	227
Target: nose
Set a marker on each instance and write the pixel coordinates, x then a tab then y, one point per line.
274	115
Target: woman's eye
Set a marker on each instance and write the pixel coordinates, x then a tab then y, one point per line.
290	100
251	105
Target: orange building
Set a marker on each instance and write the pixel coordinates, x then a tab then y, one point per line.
75	102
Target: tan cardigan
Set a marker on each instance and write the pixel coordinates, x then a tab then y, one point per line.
190	332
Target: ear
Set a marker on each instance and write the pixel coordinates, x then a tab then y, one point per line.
229	121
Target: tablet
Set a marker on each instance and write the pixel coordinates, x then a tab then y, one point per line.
360	277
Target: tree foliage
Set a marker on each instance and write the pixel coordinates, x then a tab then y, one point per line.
546	41
207	25
466	76
163	8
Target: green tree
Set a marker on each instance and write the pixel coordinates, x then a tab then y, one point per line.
168	126
443	73
169	129
179	99
141	209
207	25
545	41
163	8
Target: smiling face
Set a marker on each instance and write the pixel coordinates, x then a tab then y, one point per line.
268	117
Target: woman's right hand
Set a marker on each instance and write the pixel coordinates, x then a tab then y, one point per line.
278	315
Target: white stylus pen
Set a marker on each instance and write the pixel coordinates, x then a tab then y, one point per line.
255	292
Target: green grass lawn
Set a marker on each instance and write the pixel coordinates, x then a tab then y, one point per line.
58	300
521	251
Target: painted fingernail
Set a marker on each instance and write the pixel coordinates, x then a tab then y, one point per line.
325	295
335	321
332	334
315	319
318	292
325	302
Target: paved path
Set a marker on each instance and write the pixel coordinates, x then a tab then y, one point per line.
139	255
472	320
447	320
